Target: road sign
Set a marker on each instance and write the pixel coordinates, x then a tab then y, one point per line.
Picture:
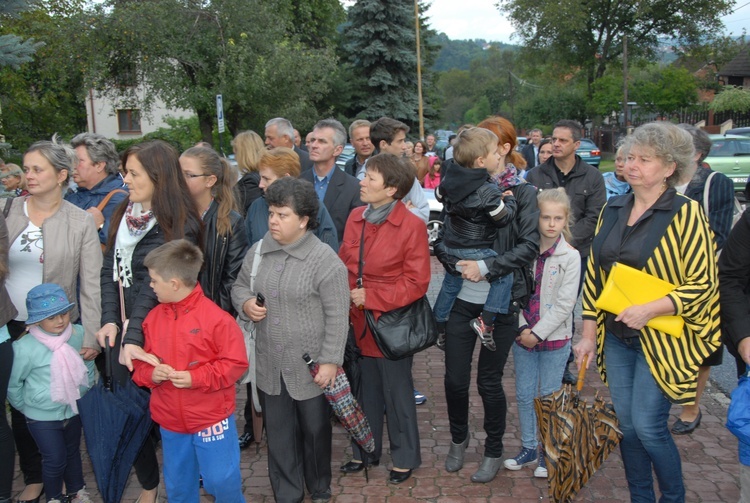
220	112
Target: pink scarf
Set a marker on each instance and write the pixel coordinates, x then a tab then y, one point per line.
67	370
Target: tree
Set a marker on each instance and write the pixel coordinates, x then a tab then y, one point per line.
664	90
731	99
187	51
381	46
588	36
13	49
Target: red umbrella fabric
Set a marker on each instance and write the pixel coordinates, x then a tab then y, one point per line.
345	406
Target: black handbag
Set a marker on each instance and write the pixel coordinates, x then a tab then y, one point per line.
403	331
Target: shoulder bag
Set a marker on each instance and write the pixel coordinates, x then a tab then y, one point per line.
248	331
403	331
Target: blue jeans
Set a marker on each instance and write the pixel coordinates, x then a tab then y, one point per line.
538	373
498	298
60	445
212	453
643	412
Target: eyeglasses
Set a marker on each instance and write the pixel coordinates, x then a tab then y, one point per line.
191	175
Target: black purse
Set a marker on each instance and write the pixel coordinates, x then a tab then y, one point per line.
403	331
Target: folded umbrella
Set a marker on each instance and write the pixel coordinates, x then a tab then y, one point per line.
576	438
116	421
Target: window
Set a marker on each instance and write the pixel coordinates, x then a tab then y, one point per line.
129	121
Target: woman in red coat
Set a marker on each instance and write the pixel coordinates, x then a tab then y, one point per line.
396	272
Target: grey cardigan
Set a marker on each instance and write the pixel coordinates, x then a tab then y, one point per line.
307	297
7	309
72	259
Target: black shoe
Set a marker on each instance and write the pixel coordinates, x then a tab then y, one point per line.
684	428
569	378
399	477
245	440
354	467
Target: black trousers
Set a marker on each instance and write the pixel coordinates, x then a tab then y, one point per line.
299	438
459	353
7	446
387	385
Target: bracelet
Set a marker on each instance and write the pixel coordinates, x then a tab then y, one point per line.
115	324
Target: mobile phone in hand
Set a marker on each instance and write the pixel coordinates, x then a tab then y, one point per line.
260	300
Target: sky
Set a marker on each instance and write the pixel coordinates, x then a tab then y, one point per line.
470	19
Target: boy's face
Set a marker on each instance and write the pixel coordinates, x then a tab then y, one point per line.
55	324
491	161
165	290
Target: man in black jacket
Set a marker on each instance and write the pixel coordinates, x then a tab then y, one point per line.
280	133
359	136
584	185
531	151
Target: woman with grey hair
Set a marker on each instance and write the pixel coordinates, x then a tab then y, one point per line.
51	241
664	234
718	204
100	186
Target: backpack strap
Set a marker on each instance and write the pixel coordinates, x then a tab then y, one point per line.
706	191
8	204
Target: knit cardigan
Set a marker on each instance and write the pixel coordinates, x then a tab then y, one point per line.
307	297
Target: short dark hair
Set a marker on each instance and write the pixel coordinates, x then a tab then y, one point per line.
701	141
397	172
575	128
178	259
385	129
299	195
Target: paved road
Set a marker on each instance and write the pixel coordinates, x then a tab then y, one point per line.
709	455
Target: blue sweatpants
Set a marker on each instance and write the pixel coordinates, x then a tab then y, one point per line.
212	453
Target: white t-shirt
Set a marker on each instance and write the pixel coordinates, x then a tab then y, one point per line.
26	266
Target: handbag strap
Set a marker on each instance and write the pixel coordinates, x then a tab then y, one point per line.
106	199
706	191
361	255
256	263
8	204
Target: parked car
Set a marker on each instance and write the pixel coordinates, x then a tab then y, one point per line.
730	154
521	142
345	155
742	131
589	152
436	213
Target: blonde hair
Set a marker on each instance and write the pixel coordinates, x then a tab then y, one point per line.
248	147
558	196
471	144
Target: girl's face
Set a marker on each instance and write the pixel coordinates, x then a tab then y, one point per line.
55	324
552	219
198	182
545	152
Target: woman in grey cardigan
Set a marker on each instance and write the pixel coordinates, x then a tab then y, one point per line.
306	310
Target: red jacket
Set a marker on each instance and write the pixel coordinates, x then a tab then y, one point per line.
396	270
196	335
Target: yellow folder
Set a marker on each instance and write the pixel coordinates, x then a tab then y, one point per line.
627	286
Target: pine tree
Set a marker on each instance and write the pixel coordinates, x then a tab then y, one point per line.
13	49
382	49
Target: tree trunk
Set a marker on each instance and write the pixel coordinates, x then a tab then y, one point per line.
206	123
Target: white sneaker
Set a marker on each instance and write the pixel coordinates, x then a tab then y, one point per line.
82	496
541	470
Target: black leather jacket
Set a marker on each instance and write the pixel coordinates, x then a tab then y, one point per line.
247	190
223	256
517	245
474	206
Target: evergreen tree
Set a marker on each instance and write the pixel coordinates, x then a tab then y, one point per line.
381	46
13	49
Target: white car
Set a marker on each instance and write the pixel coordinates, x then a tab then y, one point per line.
436	221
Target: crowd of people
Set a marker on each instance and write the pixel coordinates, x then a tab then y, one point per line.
176	260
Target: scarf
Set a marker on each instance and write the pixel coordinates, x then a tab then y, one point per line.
508	178
134	225
67	370
378	215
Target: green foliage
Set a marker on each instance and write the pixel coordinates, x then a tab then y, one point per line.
589	36
458	54
558	101
480	111
186	52
731	99
14	50
181	134
664	90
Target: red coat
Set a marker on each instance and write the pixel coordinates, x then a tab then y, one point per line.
196	335
396	270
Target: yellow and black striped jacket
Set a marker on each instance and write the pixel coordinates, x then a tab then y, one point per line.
682	253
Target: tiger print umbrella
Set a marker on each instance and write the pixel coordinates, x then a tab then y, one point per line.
576	438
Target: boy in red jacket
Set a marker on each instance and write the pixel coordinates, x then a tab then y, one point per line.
202	355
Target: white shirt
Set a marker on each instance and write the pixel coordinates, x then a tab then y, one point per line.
26	266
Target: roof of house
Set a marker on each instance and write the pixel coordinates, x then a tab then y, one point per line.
739	66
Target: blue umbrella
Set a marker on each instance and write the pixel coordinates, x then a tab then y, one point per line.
116	421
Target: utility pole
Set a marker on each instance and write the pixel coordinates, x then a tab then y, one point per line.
625	83
419	72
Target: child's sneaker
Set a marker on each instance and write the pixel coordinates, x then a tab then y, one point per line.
541	469
526	457
484	333
81	496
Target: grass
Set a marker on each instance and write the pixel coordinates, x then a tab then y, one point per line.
605	166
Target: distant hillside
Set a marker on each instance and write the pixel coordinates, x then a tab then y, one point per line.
459	53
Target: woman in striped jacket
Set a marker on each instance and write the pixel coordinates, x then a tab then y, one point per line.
666	235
